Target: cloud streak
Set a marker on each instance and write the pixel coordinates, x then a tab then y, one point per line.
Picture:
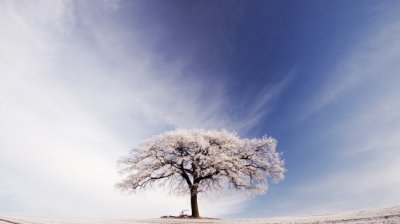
357	106
374	55
79	90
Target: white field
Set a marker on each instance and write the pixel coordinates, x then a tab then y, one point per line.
386	215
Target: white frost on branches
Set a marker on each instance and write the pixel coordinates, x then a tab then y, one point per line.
208	160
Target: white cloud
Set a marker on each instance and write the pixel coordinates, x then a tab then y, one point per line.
370	183
362	171
375	55
77	92
263	103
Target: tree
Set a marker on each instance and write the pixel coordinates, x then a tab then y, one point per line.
195	161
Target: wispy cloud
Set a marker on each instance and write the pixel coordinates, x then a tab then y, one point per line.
362	141
375	55
263	103
78	90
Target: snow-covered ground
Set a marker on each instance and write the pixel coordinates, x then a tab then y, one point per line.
386	215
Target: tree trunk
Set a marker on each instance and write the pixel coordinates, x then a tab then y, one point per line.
193	202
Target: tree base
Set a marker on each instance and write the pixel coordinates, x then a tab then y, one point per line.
185	217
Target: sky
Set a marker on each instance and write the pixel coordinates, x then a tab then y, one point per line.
83	82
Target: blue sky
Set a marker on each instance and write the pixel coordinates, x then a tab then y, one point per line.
82	82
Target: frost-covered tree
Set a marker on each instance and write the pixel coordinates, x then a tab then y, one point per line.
195	161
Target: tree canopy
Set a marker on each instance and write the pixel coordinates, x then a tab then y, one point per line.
195	161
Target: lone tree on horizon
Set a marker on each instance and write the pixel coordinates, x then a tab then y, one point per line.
195	161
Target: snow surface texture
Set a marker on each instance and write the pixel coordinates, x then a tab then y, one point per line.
386	215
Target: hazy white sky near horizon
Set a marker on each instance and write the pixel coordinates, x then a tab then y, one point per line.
78	89
74	100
